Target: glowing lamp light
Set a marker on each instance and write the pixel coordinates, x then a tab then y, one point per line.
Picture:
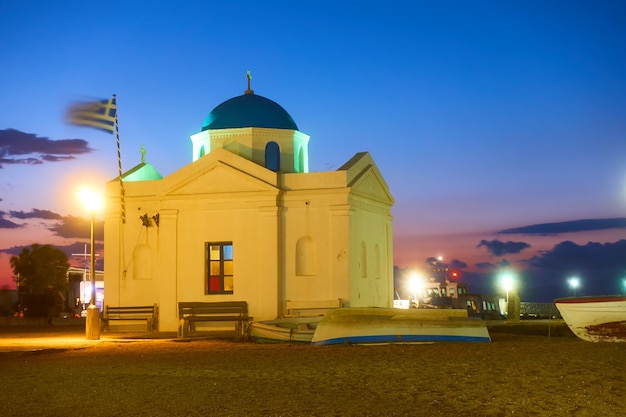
507	281
574	283
91	200
416	284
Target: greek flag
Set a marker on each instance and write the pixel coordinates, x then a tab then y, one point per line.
97	114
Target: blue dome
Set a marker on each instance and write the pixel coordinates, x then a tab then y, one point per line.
249	110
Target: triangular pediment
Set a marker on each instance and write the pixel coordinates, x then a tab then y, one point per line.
364	179
371	185
220	172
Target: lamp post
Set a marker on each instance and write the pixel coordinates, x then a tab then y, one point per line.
92	202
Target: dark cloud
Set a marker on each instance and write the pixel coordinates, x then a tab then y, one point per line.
56	158
601	268
504	263
66	227
14	250
7	224
546	229
17	147
36	214
498	248
77	227
588	258
456	264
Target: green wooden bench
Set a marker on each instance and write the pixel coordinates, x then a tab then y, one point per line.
190	313
131	313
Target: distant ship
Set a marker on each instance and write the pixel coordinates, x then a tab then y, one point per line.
443	290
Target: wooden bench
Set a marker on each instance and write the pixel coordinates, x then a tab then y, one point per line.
311	308
133	313
190	313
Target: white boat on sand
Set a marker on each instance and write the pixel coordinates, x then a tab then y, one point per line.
390	325
595	319
291	329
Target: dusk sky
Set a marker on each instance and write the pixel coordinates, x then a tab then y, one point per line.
499	126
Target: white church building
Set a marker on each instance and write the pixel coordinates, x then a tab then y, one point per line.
245	220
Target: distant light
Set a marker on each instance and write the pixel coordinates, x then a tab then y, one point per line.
573	283
507	281
416	283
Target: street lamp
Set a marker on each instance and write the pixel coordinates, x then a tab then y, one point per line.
92	202
573	283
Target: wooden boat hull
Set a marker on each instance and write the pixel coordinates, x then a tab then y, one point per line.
390	325
595	319
296	329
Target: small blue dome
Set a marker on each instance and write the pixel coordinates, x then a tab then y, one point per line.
249	110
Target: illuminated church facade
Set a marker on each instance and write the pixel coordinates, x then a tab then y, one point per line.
246	220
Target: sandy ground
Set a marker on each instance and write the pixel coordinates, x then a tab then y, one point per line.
55	372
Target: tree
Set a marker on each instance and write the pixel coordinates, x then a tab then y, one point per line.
39	268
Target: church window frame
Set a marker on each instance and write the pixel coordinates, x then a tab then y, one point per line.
219	268
272	156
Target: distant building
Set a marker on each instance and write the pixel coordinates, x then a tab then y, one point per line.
246	220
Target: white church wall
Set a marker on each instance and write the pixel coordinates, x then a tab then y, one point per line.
372	272
310	208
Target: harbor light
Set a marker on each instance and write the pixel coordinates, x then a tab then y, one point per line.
573	283
416	285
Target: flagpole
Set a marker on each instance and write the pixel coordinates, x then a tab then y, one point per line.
119	165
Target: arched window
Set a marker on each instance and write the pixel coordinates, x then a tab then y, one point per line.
305	256
272	156
201	153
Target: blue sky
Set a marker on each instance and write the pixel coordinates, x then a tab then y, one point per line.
483	116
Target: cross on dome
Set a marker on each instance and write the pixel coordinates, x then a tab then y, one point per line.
249	77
